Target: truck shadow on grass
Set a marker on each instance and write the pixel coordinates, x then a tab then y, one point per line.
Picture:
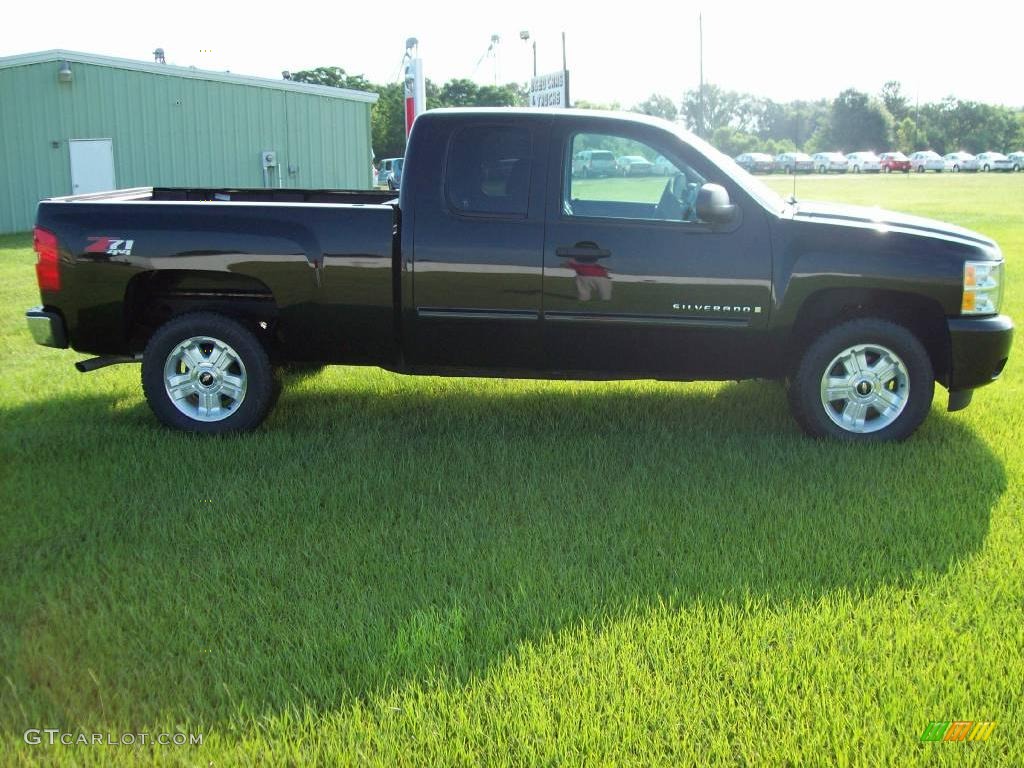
377	534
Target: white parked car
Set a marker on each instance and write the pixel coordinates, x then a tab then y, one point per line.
831	162
1017	159
994	161
961	161
865	161
927	160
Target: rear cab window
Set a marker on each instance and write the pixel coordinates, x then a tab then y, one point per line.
488	171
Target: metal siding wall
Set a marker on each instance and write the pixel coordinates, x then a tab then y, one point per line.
169	131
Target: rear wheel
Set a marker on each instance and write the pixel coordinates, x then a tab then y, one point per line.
204	372
865	380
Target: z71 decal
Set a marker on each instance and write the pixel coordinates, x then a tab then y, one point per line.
110	246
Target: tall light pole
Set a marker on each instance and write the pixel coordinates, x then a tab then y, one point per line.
525	37
700	48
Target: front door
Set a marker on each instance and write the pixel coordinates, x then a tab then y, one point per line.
635	283
92	165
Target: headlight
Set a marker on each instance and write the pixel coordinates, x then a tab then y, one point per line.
983	287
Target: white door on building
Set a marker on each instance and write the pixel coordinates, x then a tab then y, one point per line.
92	165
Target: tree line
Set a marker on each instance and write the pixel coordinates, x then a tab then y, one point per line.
738	122
387	120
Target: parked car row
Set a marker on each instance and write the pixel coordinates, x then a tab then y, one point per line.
598	163
867	161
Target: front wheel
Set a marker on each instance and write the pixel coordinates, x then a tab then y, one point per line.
204	372
864	380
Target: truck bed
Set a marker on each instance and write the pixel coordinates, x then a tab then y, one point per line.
315	265
236	194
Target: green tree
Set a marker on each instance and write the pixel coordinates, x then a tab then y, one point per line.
894	100
335	77
860	122
716	109
907	136
657	105
795	121
584	104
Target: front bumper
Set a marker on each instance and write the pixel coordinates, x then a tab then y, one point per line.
979	349
47	328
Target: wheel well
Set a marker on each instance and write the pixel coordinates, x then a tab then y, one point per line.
153	298
922	316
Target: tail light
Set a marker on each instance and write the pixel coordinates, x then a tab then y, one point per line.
47	267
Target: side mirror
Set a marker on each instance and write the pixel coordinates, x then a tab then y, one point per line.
713	205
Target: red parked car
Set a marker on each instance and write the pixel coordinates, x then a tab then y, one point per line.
895	161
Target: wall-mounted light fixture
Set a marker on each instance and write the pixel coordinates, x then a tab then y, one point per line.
64	73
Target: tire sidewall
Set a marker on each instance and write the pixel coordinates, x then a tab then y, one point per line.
805	389
259	395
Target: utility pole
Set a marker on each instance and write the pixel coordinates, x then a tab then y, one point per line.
700	47
565	70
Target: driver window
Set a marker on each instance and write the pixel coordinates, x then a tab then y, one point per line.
619	178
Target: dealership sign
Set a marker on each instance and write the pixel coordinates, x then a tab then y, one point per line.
550	90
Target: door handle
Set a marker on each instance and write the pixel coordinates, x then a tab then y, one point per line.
584	250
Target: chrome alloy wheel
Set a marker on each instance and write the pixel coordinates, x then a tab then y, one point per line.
865	388
205	378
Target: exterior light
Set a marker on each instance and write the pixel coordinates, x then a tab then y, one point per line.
64	73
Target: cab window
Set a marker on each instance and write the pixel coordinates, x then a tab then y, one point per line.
616	177
488	171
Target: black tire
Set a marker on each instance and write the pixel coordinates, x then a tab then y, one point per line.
214	335
916	379
986	169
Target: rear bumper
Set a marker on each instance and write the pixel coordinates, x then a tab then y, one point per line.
47	328
979	349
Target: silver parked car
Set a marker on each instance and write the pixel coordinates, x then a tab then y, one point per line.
634	165
927	160
994	161
831	162
755	162
865	161
1017	159
389	173
961	161
793	162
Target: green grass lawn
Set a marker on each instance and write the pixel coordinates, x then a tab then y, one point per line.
432	571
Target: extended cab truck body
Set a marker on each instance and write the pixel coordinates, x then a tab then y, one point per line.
500	259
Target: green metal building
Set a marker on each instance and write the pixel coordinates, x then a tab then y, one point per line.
72	123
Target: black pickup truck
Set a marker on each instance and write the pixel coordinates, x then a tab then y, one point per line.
501	258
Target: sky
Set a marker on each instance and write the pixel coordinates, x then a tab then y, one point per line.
617	52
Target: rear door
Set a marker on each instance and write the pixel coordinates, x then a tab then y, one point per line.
479	245
634	282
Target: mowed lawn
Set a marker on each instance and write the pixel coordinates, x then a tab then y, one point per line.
430	571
